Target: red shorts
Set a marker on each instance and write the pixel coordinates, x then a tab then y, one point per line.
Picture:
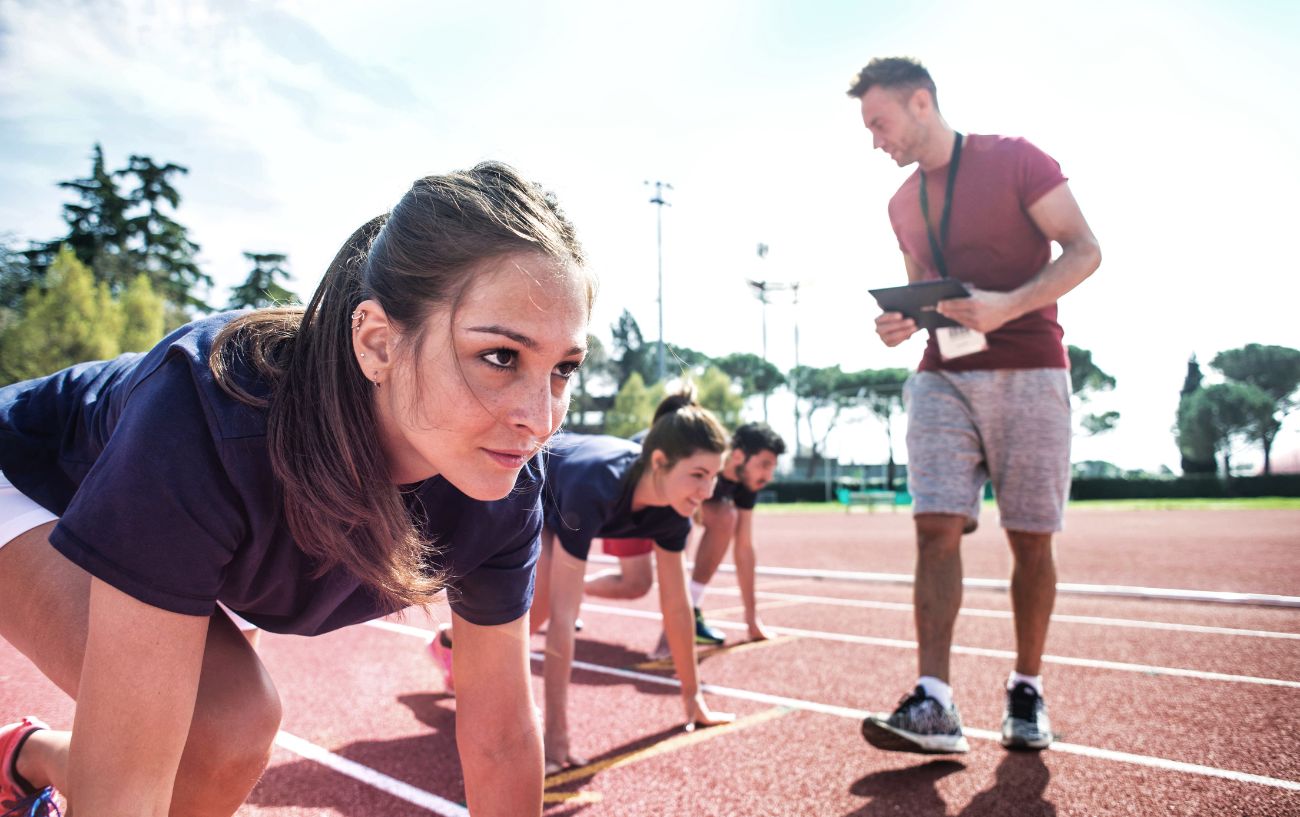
627	547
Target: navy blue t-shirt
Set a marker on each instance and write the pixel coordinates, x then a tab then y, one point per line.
586	496
164	489
728	491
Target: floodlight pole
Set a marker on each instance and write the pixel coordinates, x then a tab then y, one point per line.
760	291
659	203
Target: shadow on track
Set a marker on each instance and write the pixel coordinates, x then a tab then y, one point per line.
1022	779
426	761
912	791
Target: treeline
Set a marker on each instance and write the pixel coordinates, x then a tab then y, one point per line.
123	274
1258	391
617	390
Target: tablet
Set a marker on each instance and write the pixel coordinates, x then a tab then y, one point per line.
917	301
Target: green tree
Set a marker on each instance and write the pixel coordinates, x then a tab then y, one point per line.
882	394
74	319
595	369
1086	380
143	315
262	286
752	374
821	390
1213	418
1275	371
631	354
16	277
715	392
162	246
1195	453
634	406
98	226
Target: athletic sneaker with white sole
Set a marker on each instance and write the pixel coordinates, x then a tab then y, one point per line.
919	724
1025	724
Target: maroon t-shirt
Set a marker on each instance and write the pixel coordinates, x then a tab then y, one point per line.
992	243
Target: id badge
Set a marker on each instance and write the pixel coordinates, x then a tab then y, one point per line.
958	341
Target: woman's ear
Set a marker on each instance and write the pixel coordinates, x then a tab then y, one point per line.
373	341
658	459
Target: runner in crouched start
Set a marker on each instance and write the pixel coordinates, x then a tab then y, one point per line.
600	486
307	470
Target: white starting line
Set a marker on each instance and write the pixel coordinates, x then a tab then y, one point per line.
1062	588
898	643
1163	764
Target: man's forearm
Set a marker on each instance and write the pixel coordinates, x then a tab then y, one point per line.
1077	261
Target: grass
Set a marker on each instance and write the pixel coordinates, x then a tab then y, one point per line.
1265	503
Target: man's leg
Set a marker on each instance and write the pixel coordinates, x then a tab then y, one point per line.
937	591
1033	594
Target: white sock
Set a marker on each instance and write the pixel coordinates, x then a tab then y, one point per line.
1035	681
697	592
936	689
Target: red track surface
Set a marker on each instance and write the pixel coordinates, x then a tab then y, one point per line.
1153	721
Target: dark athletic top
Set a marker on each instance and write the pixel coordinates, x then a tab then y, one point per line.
165	491
727	491
586	497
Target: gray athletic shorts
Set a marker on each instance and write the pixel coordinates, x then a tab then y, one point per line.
1011	426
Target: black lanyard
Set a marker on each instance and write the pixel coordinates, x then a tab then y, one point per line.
937	244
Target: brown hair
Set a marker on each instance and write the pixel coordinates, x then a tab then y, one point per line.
322	433
896	73
681	427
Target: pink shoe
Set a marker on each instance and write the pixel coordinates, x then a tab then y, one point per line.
15	799
440	652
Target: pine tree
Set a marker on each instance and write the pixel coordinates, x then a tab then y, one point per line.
262	287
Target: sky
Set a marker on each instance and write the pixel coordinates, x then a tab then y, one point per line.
298	121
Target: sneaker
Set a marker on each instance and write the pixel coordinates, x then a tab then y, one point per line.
440	652
1025	724
15	798
704	634
919	724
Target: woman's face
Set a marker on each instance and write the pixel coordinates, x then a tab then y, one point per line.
489	384
688	483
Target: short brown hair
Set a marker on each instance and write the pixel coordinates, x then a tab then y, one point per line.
896	73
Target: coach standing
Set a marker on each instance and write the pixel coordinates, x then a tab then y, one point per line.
991	397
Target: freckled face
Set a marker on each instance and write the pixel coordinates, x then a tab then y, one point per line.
489	385
687	483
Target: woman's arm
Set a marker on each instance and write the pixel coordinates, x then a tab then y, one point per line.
567	574
135	701
679	627
496	725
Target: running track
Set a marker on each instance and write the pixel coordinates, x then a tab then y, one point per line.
1165	707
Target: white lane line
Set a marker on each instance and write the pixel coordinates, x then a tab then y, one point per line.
858	714
1091	663
367	775
980	734
976	612
1062	588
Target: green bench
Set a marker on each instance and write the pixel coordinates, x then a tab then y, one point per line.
848	498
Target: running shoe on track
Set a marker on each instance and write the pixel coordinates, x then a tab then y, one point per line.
440	652
1025	724
919	724
15	798
706	635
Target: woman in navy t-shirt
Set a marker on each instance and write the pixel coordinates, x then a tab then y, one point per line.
307	469
608	486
